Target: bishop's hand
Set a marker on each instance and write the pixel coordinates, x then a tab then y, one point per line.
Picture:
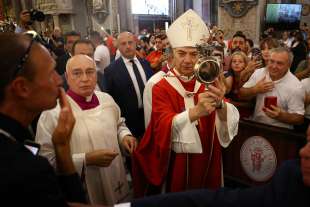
217	92
204	107
208	101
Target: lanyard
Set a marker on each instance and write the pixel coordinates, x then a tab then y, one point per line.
31	146
8	135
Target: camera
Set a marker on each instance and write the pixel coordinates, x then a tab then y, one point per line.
36	15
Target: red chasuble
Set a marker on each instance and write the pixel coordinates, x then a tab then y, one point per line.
154	162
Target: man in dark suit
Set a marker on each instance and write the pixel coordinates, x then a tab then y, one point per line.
290	186
61	61
124	80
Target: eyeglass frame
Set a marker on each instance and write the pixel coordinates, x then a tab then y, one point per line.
23	59
89	72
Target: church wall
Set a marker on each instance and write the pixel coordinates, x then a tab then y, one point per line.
251	23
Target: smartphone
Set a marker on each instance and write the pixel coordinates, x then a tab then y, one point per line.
257	54
270	100
32	146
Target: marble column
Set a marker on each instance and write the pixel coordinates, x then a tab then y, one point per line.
56	20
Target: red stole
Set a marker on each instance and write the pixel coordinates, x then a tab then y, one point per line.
154	162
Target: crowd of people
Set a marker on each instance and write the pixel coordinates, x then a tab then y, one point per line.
123	116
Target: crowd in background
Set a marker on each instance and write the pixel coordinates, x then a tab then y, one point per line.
277	67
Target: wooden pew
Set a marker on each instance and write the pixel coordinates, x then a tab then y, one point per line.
257	151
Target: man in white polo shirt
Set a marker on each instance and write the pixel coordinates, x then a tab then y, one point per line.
276	81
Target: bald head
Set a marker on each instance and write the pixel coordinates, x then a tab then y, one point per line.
76	60
126	45
81	75
124	35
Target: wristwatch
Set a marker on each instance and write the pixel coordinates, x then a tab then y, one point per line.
221	104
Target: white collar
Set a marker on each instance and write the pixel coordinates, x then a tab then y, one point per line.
126	60
281	79
89	98
183	77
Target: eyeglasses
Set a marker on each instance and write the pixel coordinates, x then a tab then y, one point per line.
23	59
77	74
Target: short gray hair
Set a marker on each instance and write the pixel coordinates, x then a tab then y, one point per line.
283	49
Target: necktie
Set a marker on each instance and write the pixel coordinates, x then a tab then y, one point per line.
138	77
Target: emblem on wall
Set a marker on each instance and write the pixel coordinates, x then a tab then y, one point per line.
258	159
237	8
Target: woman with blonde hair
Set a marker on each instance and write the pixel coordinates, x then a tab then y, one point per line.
234	81
238	63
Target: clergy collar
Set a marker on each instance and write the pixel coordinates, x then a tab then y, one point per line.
14	128
79	98
183	77
126	60
87	103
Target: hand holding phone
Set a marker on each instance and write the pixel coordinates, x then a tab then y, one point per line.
270	100
257	55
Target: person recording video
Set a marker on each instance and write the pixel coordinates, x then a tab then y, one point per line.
25	22
27	17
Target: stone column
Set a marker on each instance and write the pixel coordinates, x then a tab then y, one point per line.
197	6
72	22
179	8
136	24
56	20
16	8
114	9
23	4
188	4
125	15
129	16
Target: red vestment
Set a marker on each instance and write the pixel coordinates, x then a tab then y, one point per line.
153	58
111	46
155	163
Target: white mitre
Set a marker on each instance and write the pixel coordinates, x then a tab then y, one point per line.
188	30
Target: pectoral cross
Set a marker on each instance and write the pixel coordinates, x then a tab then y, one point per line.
119	187
189	25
